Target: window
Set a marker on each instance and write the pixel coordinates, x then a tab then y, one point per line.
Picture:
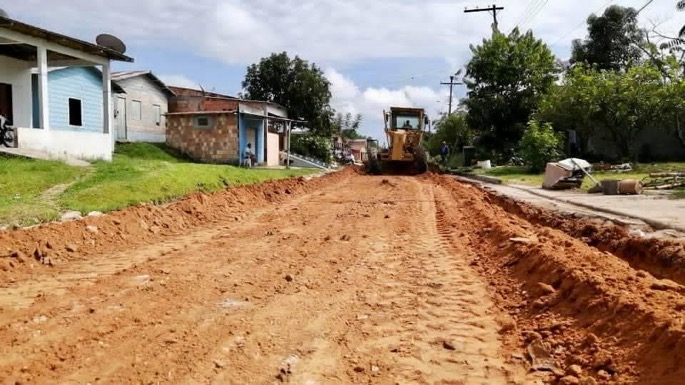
135	110
75	113
203	121
407	122
158	114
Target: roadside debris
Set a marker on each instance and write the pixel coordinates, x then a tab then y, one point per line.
565	174
664	180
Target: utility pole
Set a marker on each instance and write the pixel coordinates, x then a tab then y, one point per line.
452	83
492	9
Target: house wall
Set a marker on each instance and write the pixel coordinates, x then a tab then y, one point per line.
144	90
218	144
257	126
81	83
272	149
62	143
18	74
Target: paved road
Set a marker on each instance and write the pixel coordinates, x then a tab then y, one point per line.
658	212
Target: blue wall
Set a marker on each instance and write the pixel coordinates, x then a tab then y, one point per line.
83	83
258	125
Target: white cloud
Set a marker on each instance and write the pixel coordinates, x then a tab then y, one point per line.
330	32
178	81
371	101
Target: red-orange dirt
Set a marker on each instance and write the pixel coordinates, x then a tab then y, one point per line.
346	278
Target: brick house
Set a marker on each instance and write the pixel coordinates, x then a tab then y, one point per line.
215	128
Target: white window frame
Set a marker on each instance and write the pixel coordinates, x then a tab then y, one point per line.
140	110
157	113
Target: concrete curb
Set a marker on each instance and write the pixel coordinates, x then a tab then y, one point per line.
657	225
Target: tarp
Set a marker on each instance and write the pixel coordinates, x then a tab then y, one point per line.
574	164
561	174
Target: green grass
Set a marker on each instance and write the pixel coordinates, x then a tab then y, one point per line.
139	172
23	183
520	175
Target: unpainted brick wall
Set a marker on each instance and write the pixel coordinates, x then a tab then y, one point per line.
218	144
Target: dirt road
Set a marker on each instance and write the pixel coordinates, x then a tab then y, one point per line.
345	279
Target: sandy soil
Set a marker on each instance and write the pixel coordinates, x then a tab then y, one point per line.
342	279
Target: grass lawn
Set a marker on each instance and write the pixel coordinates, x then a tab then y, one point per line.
139	172
520	175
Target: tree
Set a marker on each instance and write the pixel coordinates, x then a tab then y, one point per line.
451	129
539	145
295	84
570	105
347	125
613	41
506	77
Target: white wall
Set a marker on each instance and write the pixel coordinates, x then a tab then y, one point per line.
18	74
60	143
272	149
148	93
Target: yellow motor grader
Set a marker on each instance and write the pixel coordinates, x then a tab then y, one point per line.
404	129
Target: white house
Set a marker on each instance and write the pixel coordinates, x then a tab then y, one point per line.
140	112
27	49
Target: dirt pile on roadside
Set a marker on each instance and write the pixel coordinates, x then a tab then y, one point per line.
660	257
592	312
52	244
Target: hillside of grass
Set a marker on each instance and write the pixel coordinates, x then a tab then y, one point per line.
34	191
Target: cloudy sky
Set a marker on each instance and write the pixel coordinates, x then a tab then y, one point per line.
376	53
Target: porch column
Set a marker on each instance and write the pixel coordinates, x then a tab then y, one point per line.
43	99
107	115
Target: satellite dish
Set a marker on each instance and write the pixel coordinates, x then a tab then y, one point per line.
111	42
4	14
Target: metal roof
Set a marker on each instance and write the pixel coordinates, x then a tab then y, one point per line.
64	40
123	75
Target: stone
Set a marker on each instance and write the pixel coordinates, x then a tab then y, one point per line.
71	216
574	370
219	364
92	229
448	345
545	288
95	214
569	380
71	248
592	339
289	277
588	381
521	240
665	285
604	375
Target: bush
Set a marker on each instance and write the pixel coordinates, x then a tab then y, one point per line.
539	145
317	147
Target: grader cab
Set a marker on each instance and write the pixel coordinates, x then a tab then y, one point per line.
404	129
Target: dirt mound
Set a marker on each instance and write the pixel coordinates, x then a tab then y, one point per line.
661	258
589	307
56	243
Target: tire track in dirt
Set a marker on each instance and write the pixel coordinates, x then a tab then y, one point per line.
617	324
434	311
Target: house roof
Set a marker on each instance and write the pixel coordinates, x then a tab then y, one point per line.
185	91
57	38
123	75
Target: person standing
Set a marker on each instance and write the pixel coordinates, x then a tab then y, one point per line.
444	152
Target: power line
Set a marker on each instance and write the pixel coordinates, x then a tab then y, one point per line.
580	24
493	9
644	6
528	12
536	12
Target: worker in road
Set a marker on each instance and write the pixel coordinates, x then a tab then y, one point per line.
444	152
